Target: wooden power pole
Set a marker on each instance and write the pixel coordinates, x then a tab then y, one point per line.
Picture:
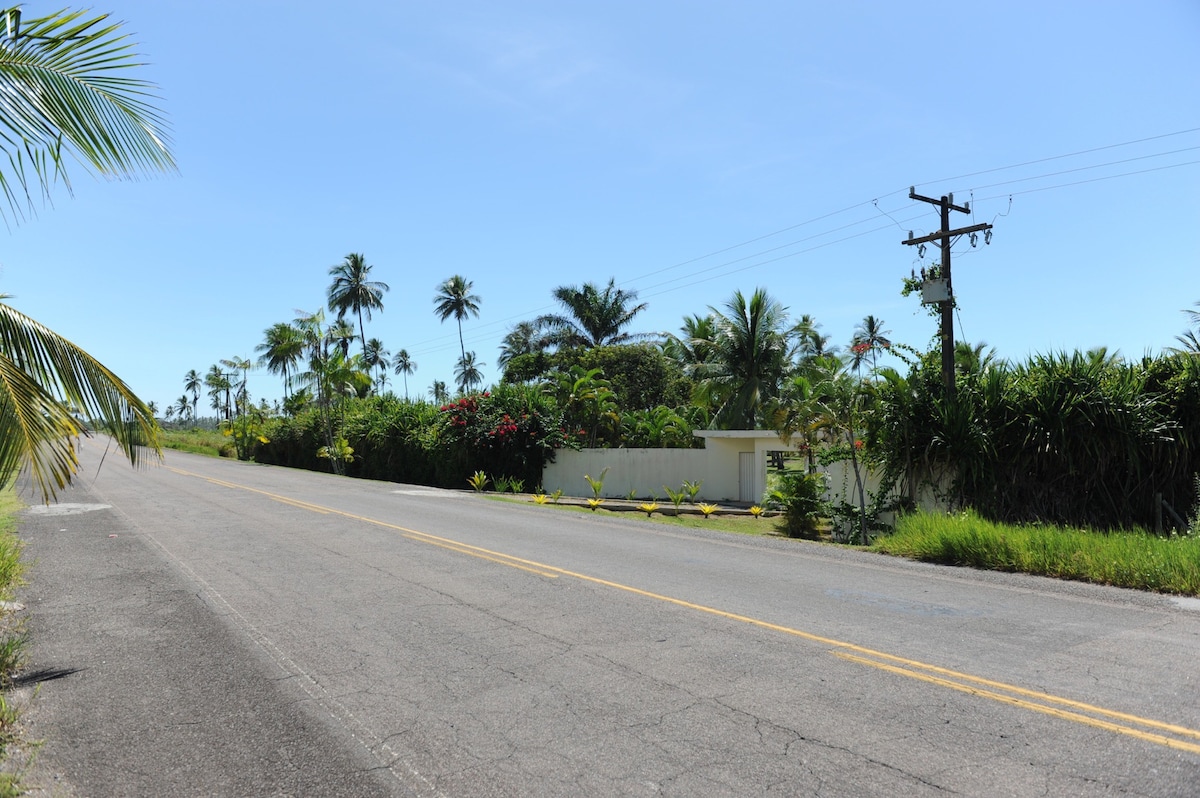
945	234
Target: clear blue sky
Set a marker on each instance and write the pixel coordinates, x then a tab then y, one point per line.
686	149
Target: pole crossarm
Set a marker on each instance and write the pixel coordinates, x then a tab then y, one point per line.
941	234
947	200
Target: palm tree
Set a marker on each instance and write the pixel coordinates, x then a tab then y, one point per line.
340	334
192	381
524	338
596	317
454	298
749	357
352	290
183	408
439	393
66	94
405	365
1189	342
240	395
375	356
810	344
972	359
692	346
466	372
869	336
281	350
218	384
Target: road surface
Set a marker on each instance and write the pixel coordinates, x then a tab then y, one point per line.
209	627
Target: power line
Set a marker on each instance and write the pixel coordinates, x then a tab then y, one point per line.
1092	180
478	333
1085	168
1066	155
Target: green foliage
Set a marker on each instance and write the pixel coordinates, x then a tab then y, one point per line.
588	404
630	395
340	451
1124	559
658	428
801	496
1072	439
692	489
676	497
596	484
479	481
388	436
747	359
640	375
1193	529
247	428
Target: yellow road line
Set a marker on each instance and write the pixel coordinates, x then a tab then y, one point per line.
866	656
1036	707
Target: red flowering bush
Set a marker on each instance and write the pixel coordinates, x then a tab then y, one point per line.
511	432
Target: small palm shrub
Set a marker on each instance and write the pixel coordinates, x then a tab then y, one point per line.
478	481
802	498
676	496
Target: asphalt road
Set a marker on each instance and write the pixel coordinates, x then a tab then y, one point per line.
210	627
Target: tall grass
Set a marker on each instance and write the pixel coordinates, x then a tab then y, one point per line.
198	441
1123	559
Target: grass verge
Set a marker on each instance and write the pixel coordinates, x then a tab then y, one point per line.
198	441
13	639
1135	560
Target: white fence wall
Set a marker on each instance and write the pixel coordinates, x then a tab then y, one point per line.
646	471
643	471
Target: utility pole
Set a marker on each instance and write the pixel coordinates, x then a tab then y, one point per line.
945	234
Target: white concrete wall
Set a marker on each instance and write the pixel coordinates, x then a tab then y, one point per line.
644	471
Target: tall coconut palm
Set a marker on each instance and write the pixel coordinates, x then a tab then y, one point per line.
454	298
748	359
353	290
596	317
692	346
524	338
439	393
810	343
183	408
241	396
67	96
869	337
403	364
281	351
192	382
376	357
466	372
340	334
219	386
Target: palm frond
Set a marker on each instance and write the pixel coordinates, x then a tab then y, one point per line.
63	87
49	391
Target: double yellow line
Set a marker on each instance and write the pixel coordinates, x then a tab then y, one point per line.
1172	736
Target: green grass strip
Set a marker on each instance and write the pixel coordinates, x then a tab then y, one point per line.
1123	559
